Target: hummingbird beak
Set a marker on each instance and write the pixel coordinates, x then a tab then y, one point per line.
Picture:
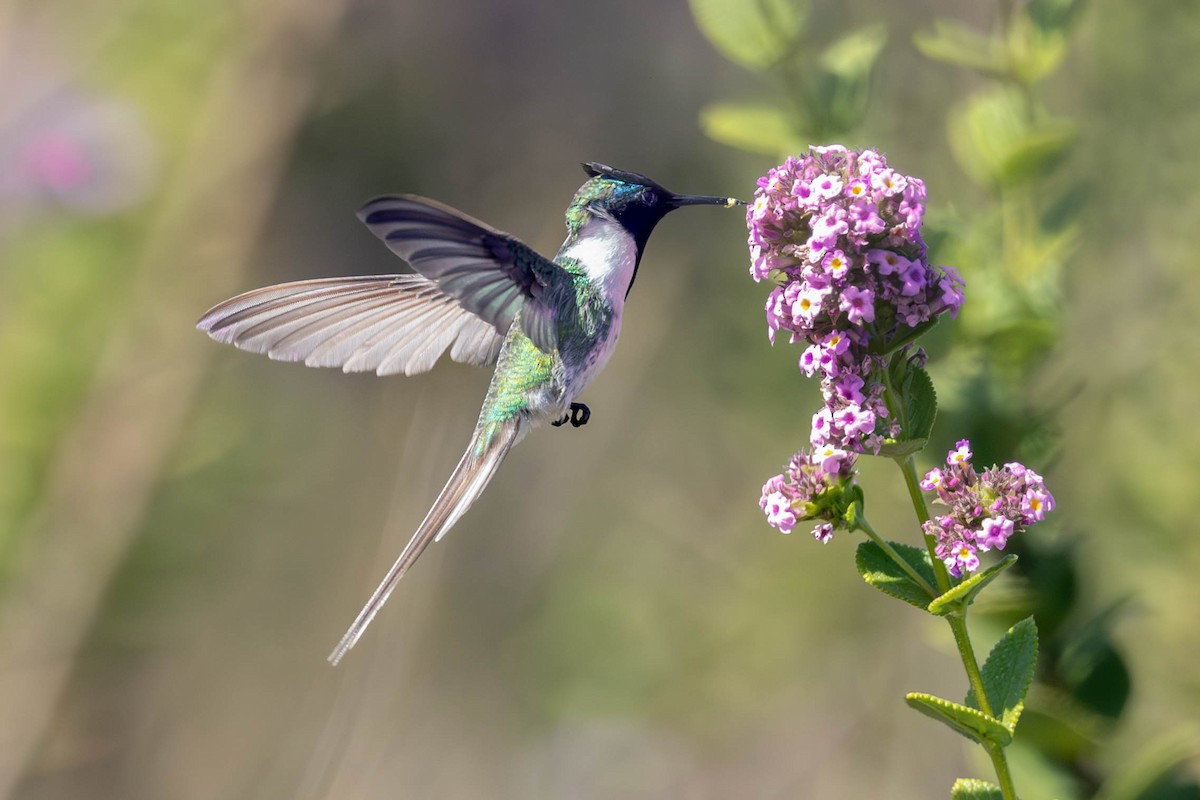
678	200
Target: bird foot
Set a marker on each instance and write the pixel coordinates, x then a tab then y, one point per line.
578	416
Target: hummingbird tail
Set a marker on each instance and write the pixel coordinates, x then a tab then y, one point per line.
475	470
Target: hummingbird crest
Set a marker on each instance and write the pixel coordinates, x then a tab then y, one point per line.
548	325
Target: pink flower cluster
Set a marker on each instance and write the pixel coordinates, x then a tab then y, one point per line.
815	485
842	232
985	509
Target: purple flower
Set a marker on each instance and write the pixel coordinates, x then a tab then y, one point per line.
779	512
985	509
960	557
961	453
827	186
859	305
887	262
1036	502
933	480
995	533
840	230
814	486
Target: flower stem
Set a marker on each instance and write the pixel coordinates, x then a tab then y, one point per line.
866	528
908	468
1000	762
958	625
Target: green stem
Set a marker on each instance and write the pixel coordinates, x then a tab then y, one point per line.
866	528
908	468
958	625
1000	763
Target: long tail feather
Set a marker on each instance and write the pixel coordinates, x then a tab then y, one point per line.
466	484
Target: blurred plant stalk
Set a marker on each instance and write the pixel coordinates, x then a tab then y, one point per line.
107	463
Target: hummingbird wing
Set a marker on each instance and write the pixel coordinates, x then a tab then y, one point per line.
386	324
491	273
474	472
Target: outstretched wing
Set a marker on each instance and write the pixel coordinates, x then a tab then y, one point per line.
490	273
383	323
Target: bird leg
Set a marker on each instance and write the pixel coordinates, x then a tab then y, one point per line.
578	416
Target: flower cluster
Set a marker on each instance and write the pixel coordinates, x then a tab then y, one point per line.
842	231
815	485
985	508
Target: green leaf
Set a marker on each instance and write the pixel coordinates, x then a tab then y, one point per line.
997	142
755	128
1034	52
878	569
967	721
954	43
961	596
1008	672
853	56
756	34
972	789
842	81
920	402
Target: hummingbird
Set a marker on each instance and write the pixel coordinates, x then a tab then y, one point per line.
548	325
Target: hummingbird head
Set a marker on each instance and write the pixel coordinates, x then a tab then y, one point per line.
631	200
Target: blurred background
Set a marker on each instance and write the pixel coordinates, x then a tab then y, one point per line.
186	529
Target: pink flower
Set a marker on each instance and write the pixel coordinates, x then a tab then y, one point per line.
859	304
994	533
887	262
779	512
986	508
810	488
961	558
932	481
840	230
1036	502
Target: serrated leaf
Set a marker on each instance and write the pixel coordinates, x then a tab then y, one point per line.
967	721
755	34
972	789
879	570
921	402
1008	672
954	43
961	596
755	128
